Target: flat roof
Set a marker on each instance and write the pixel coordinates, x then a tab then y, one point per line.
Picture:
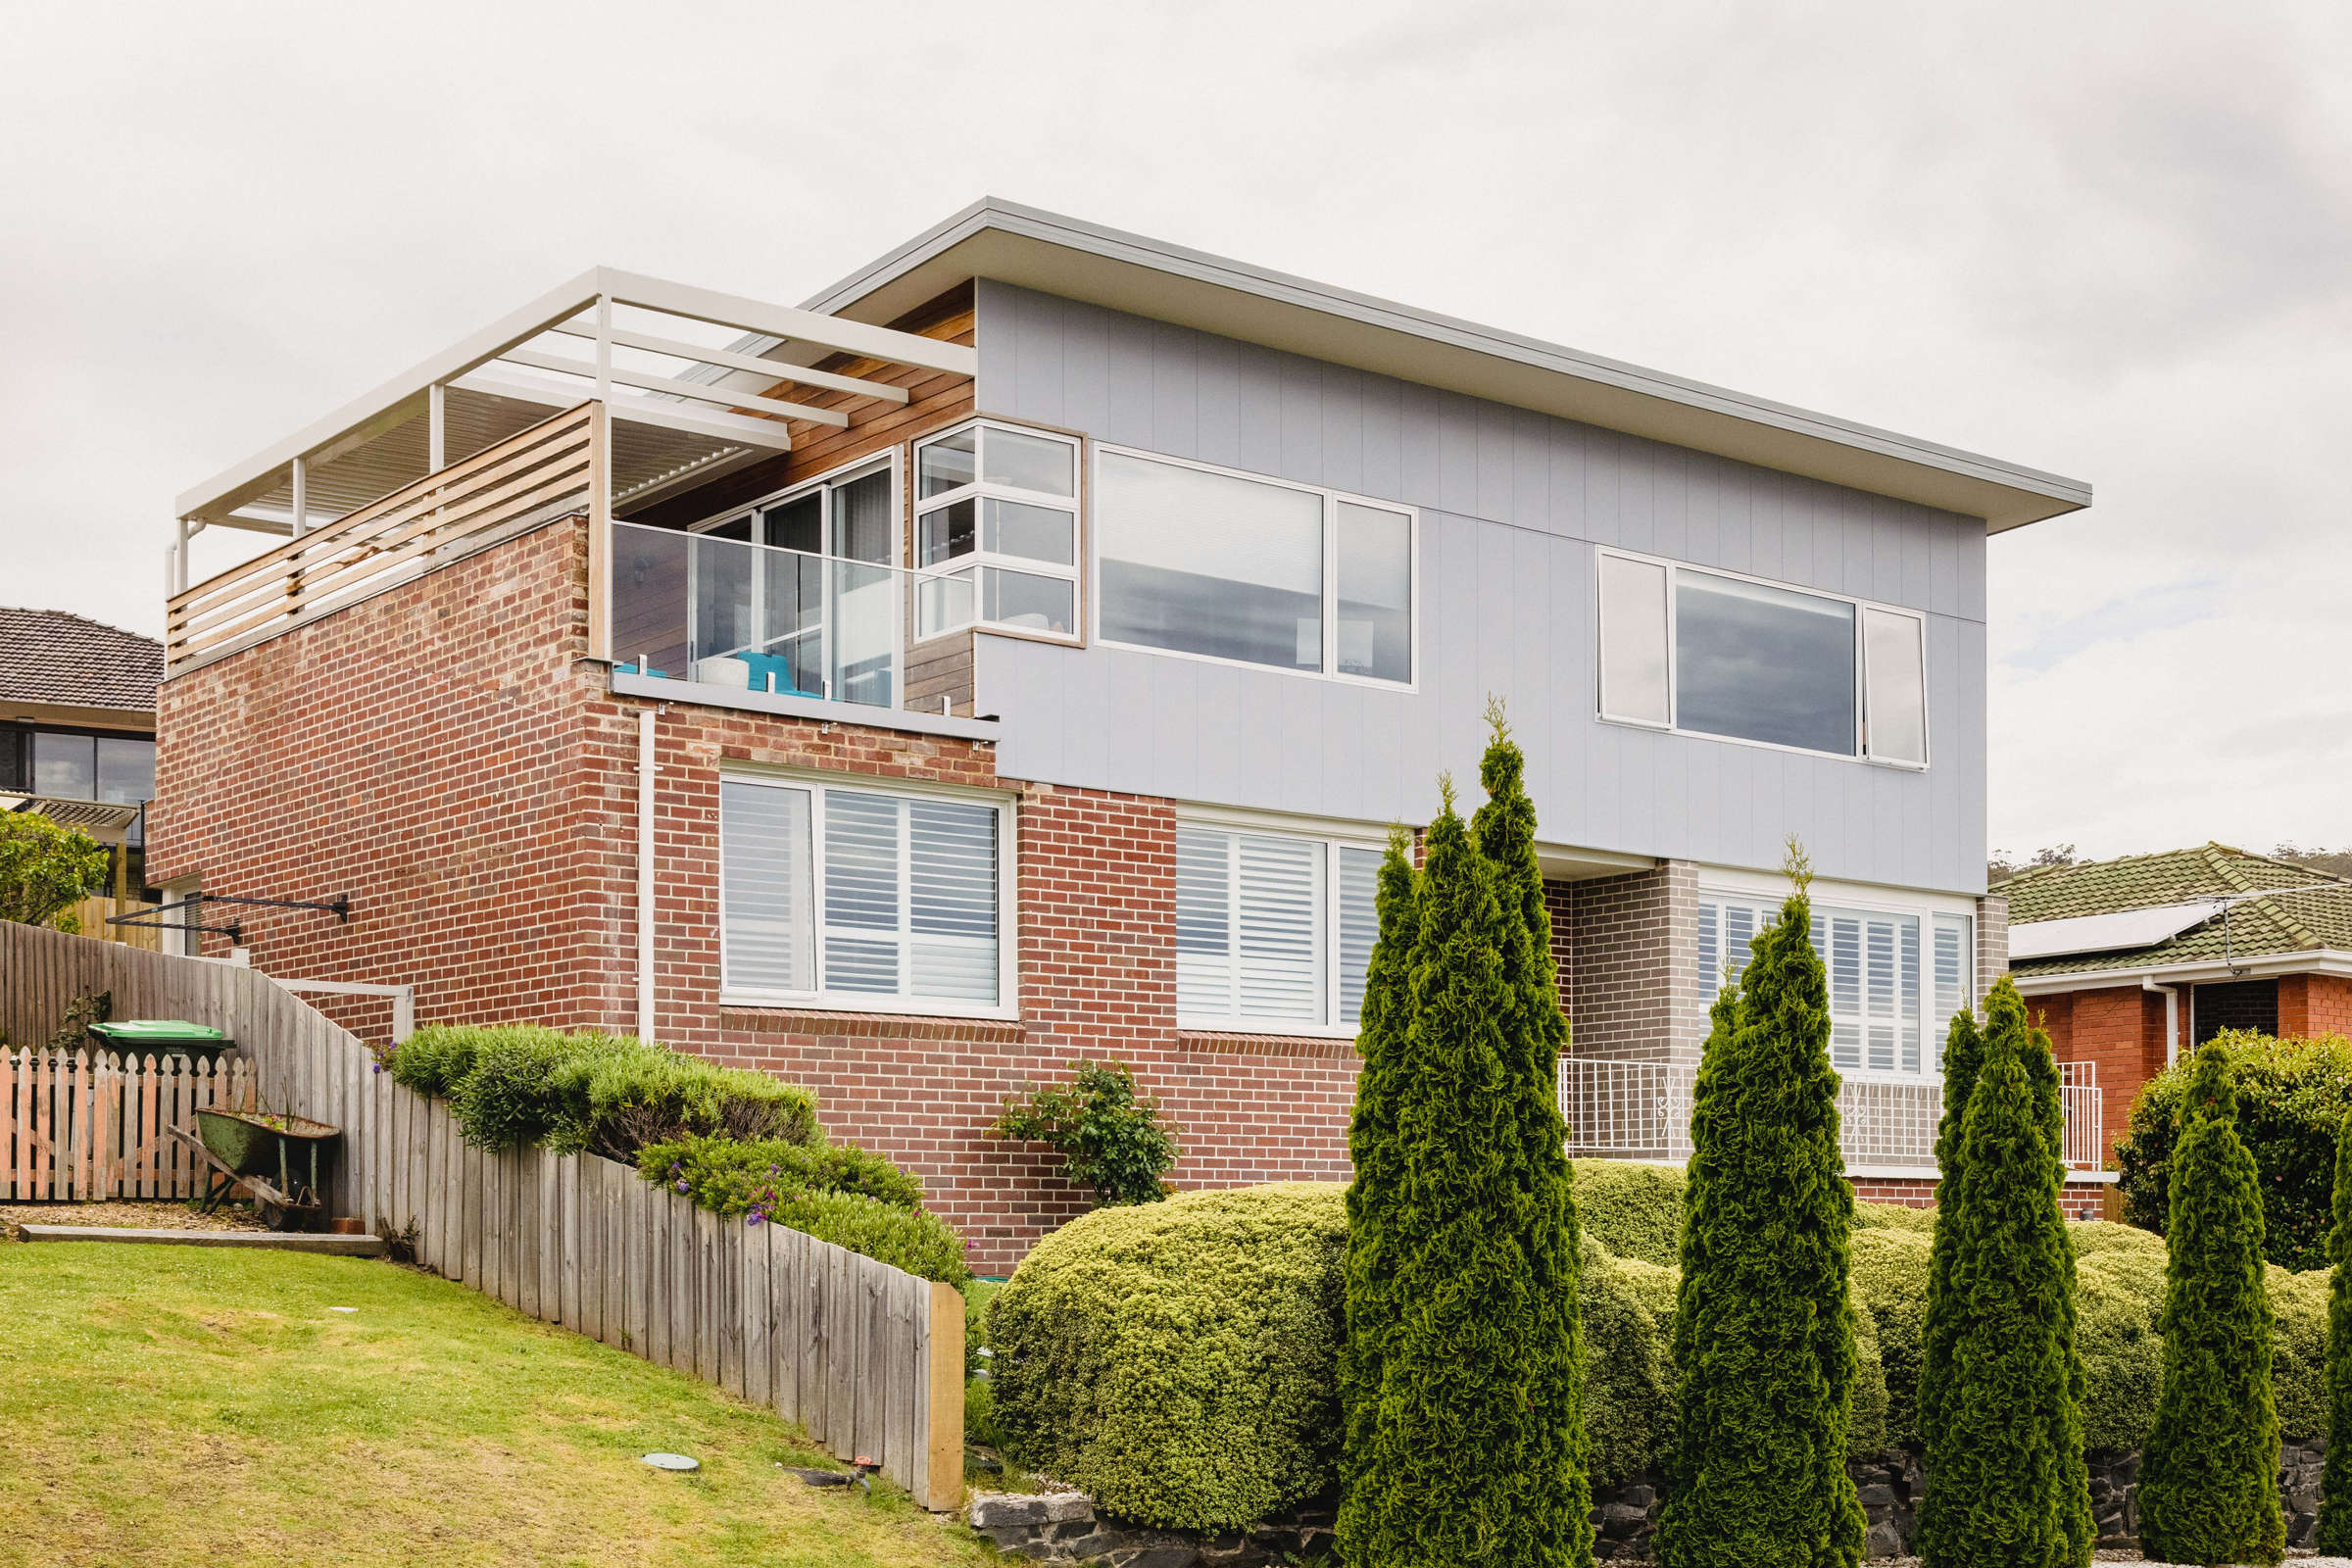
1068	256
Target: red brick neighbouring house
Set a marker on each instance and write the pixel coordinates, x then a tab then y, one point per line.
2131	964
1020	659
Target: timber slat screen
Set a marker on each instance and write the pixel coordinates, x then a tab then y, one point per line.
541	472
869	1359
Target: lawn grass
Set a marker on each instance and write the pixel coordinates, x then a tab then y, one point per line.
177	1405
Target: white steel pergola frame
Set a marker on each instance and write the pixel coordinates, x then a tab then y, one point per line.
733	407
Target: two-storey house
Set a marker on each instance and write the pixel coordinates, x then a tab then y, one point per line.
1016	654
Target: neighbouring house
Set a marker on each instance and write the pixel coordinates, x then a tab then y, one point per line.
77	741
1016	654
2130	962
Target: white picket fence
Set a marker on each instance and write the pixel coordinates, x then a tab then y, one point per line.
867	1359
1641	1110
78	1126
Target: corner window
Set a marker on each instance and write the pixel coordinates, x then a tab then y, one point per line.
997	523
861	898
1233	566
1273	930
1706	653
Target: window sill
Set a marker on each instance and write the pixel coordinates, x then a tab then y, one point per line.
1864	758
801	1019
1332	1048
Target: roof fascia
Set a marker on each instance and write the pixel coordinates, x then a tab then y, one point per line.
1056	254
2269	966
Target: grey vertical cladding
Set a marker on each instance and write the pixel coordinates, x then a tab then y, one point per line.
1512	505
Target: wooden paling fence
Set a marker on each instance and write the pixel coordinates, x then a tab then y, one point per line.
867	1359
78	1125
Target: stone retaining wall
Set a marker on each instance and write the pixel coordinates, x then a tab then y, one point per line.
1063	1526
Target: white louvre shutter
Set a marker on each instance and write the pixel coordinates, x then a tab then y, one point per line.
951	900
765	888
1279	886
1204	967
1360	927
861	892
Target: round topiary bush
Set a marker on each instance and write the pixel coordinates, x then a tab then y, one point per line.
2293	1097
1178	1360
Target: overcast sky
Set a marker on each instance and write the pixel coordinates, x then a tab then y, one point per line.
2115	242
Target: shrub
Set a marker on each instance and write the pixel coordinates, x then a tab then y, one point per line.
514	1085
1177	1360
620	1094
2293	1097
1895	1217
1765	1327
2208	1489
73	1024
2118	1299
918	1243
45	869
1110	1138
1628	1313
731	1178
1634	1210
2004	1455
1891	1291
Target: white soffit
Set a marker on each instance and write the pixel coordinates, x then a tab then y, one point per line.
1128	272
2120	932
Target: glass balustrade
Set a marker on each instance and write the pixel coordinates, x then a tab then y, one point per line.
690	607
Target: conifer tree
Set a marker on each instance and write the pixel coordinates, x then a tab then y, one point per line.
2078	1525
1764	1327
1963	1054
2336	1476
1551	1445
2208	1489
1378	1190
2001	1476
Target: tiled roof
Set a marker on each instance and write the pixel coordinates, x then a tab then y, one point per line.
2301	911
47	656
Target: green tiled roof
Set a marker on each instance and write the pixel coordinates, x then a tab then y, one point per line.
2301	909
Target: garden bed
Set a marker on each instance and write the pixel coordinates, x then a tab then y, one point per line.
128	1214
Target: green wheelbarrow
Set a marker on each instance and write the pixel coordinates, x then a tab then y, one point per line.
249	1146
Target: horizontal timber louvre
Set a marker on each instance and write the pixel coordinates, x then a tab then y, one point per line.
552	469
867	1359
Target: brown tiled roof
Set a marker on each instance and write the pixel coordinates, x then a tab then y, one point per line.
2302	910
48	656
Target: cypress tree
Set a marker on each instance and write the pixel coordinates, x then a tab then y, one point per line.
1446	1478
1764	1328
1963	1054
1377	1192
2078	1526
2000	1487
2208	1487
2336	1476
1551	1446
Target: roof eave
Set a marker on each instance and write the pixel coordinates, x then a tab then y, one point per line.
2254	967
1129	272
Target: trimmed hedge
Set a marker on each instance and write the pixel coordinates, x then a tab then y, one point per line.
2292	1098
919	1242
730	1178
1177	1360
519	1086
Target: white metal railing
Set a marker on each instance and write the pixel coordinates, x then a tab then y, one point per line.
1641	1110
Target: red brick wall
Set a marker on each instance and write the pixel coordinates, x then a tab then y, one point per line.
2314	1005
2077	1200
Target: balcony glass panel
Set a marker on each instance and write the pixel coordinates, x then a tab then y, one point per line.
757	618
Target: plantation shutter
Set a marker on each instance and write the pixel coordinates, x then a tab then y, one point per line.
1249	927
765	889
1954	980
951	902
1360	927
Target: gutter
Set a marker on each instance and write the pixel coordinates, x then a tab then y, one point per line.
2208	971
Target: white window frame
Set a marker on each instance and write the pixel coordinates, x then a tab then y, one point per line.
1861	752
818	783
1334	837
977	492
1767	892
1332	501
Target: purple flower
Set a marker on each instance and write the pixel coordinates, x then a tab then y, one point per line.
754	1217
682	1184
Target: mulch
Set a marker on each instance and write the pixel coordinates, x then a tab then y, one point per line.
153	1215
